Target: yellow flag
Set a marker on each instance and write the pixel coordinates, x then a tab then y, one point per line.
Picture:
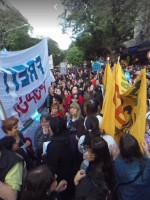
120	79
108	109
134	106
107	82
113	114
107	75
121	86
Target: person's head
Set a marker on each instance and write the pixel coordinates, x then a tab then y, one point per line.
87	88
74	98
91	108
92	123
57	98
59	81
54	108
74	89
75	110
10	126
58	91
39	184
51	90
66	92
97	151
79	80
45	119
68	83
129	148
10	143
58	126
91	88
99	97
63	84
97	82
92	187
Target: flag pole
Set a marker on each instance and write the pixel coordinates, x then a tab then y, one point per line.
3	115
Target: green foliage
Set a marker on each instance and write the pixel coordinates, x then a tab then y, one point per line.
14	39
103	26
75	56
58	54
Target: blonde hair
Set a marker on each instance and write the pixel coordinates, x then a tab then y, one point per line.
76	105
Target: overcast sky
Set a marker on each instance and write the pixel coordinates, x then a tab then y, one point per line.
43	17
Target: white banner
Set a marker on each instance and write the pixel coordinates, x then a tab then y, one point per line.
24	80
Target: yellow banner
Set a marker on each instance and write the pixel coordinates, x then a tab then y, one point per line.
107	82
121	86
113	114
134	106
107	75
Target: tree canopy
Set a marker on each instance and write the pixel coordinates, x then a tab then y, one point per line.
75	56
102	26
58	54
13	38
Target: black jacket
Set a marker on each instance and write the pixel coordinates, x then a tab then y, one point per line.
59	159
59	156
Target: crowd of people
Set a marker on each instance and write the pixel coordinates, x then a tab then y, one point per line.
71	158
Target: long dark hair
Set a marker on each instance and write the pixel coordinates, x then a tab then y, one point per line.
91	108
37	184
129	148
103	159
92	128
92	187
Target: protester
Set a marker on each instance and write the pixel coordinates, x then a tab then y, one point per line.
58	99
9	143
59	156
59	91
74	91
49	98
82	109
75	121
92	126
132	169
75	125
41	184
86	96
99	158
91	186
55	110
10	127
11	172
91	109
42	134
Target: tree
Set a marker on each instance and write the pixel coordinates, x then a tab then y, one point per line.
75	56
14	35
101	26
58	54
13	38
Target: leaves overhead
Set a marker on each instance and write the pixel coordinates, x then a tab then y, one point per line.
13	38
75	56
101	25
